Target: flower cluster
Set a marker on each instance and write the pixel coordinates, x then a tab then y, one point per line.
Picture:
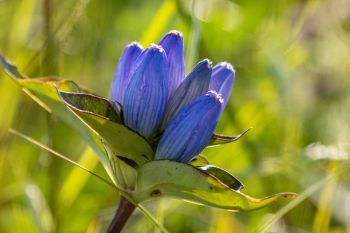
158	99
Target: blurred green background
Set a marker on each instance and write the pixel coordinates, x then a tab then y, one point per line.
292	61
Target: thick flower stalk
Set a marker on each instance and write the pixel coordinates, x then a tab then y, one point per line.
157	98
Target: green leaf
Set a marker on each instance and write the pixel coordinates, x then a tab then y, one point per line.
92	104
219	139
122	141
10	68
223	176
92	111
118	188
44	92
179	180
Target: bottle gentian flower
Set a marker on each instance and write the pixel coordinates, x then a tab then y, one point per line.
157	99
156	122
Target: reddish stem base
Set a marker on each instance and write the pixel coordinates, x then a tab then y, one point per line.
124	211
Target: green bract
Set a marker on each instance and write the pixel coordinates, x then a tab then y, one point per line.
128	157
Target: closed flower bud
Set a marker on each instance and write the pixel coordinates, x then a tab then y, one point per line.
222	79
190	130
121	76
173	44
196	84
147	92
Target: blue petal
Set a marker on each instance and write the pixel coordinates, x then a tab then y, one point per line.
190	130
124	68
196	84
146	95
173	44
222	80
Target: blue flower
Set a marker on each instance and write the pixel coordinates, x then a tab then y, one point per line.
173	44
147	92
222	80
125	66
157	98
191	129
196	84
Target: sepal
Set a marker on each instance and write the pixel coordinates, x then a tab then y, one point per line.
122	141
220	139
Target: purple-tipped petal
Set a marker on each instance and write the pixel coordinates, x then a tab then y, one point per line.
196	84
121	76
173	44
146	95
222	79
190	130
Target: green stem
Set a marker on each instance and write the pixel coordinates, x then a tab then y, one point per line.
121	216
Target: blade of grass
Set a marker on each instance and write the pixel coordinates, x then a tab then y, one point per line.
323	215
292	204
62	30
192	49
39	209
310	8
76	179
31	140
160	213
159	22
119	189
